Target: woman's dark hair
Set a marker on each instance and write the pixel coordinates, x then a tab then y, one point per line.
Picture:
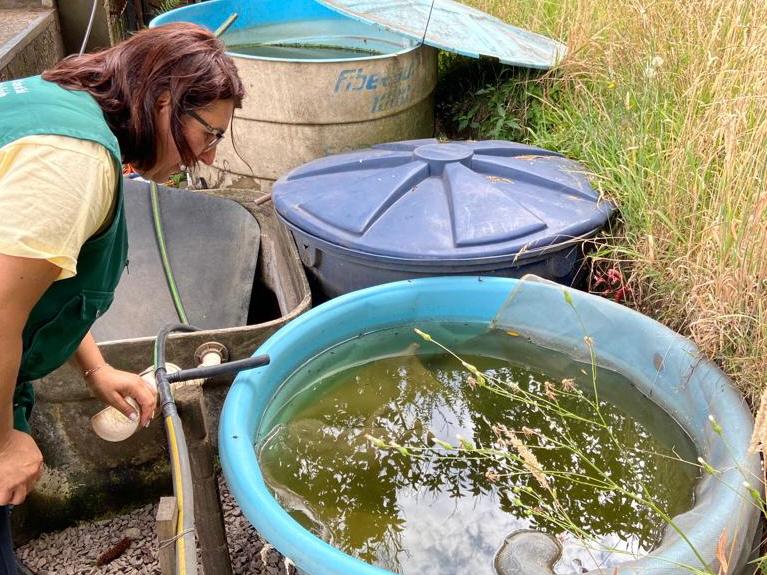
184	60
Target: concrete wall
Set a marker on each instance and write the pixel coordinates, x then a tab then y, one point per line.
31	42
74	16
114	21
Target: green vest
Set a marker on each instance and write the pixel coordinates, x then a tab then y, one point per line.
66	311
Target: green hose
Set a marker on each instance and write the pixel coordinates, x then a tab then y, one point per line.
160	236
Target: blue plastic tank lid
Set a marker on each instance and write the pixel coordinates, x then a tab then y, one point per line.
430	201
456	28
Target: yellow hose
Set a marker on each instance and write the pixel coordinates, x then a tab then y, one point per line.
178	488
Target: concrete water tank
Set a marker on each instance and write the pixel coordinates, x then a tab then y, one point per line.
317	83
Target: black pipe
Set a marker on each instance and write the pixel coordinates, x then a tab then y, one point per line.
159	345
167	405
221	369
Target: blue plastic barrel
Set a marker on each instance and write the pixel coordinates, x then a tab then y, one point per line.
424	208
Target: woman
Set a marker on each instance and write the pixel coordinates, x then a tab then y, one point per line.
159	100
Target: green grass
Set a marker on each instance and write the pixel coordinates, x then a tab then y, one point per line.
664	102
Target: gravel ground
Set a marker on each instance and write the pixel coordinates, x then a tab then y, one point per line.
75	550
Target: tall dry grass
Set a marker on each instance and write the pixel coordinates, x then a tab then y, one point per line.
665	102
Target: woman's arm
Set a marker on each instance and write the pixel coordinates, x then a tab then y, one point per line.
22	283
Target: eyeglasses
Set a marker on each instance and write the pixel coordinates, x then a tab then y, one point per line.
217	134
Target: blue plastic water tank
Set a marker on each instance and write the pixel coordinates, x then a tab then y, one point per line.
660	363
424	208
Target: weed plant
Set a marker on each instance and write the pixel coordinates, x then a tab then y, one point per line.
664	103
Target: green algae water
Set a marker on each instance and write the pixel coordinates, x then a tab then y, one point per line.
422	506
301	51
317	39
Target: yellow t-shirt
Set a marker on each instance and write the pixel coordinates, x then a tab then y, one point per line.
55	193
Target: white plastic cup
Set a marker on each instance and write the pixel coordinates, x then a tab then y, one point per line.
111	425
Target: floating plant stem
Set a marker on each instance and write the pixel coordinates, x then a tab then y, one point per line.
530	462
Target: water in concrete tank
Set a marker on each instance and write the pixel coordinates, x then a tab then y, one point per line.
417	505
301	51
335	39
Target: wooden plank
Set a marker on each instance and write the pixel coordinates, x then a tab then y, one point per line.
166	522
208	516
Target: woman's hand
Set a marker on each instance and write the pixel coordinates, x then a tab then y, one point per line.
113	387
21	465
